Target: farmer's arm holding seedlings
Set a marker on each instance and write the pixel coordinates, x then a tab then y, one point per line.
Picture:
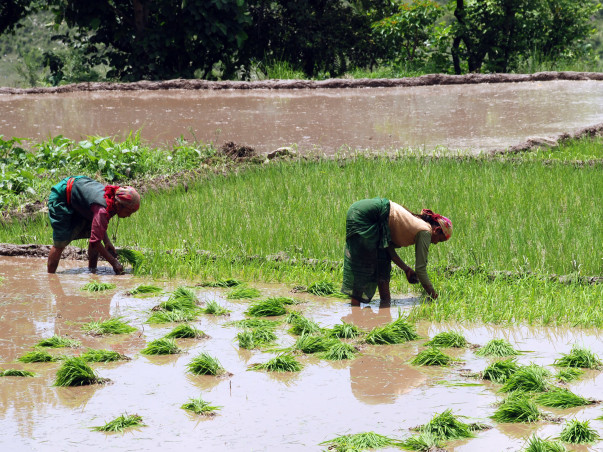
80	207
374	229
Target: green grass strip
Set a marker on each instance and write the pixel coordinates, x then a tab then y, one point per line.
578	432
121	423
111	326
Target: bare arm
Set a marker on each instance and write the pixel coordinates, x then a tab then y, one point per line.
411	276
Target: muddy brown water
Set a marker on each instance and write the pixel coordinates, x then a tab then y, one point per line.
378	391
468	117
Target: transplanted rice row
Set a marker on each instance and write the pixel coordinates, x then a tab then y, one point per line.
200	406
581	358
121	423
204	364
185	331
76	372
102	356
284	362
497	348
58	342
228	282
361	441
447	339
578	432
110	326
162	346
37	356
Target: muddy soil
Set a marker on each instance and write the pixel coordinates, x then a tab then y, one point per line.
377	391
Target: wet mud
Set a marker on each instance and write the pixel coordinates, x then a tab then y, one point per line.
378	391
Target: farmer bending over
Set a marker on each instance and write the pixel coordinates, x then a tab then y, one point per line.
80	207
374	228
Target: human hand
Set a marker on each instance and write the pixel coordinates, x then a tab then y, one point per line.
411	276
433	295
118	268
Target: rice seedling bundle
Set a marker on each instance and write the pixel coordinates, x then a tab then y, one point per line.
569	374
76	372
110	326
101	356
422	442
517	408
322	288
182	299
433	356
269	307
58	342
133	257
536	444
243	292
339	351
448	339
145	289
172	316
255	323
500	371
308	343
361	441
228	282
578	432
204	364
256	337
446	426
162	346
302	325
396	332
37	356
284	362
97	286
580	357
200	406
497	348
16	373
531	378
561	398
121	423
292	316
214	308
345	330
185	331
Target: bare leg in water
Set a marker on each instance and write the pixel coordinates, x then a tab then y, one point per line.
54	256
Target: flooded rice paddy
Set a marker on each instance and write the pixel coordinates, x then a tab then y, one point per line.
470	118
377	391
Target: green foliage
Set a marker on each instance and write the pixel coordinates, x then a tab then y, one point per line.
339	351
284	362
97	286
536	444
517	408
214	308
204	364
172	316
578	432
325	288
37	356
303	325
568	375
121	423
433	356
185	331
396	332
267	308
345	330
580	357
111	326
422	442
308	343
16	373
256	337
560	398
133	257
361	441
447	339
144	289
200	406
162	346
445	426
228	282
76	372
255	323
243	292
531	378
497	348
500	371
58	342
101	356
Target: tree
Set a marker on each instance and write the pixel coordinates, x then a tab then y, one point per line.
11	11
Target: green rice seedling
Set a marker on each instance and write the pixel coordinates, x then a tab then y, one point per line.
110	326
229	282
284	362
76	372
255	323
536	444
145	289
345	330
162	346
396	332
101	356
269	307
422	442
200	406
531	378
446	426
309	344
500	371
214	308
182	299
580	357
339	351
121	423
243	292
302	325
497	348
204	364
172	316
97	286
447	339
517	408
37	356
133	257
325	288
561	398
58	342
292	316
16	373
578	432
185	331
432	356
569	374
361	441
255	338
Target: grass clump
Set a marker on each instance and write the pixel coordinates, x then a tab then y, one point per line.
185	331
145	289
536	444
396	332
325	288
568	375
204	364
241	292
76	372
182	299
339	351
447	339
561	398
302	325
517	408
37	356
58	342
162	346
309	344
581	358
133	257
433	356
111	326
121	423
256	337
172	316
446	426
360	441
228	282
255	323
531	378
497	348
422	442
200	406
500	371
345	330
97	286
214	308
16	373
101	356
269	307
578	432
284	362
